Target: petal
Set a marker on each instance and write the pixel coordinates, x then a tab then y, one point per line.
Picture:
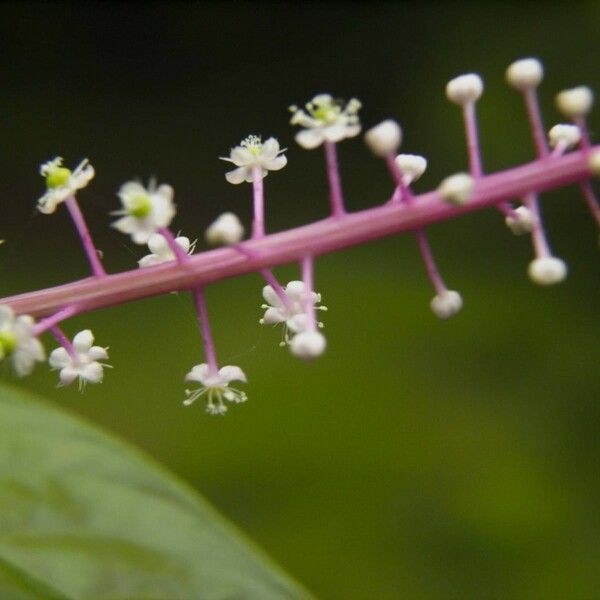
242	157
131	189
237	175
97	353
81	179
183	242
230	373
297	323
295	290
277	163
273	316
270	149
83	341
150	260
198	373
310	138
271	297
59	358
7	316
335	133
163	209
157	244
92	372
68	375
23	362
126	225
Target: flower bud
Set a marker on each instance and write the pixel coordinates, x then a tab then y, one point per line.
411	165
522	222
569	135
547	270
226	230
457	189
526	73
384	139
594	163
576	102
464	89
446	304
308	344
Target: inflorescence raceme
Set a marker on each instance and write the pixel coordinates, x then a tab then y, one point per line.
147	212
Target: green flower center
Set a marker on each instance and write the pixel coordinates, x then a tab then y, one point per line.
140	206
8	342
58	177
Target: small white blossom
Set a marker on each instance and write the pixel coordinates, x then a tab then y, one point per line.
412	166
326	120
521	222
251	154
464	89
227	230
17	341
547	270
161	251
575	102
308	344
293	315
384	139
526	73
216	387
457	189
84	365
565	135
62	183
446	304
145	211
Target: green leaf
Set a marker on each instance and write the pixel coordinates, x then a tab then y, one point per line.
85	516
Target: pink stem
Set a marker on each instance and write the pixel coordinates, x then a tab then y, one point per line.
308	276
64	341
335	186
430	266
472	140
180	254
538	237
322	237
277	287
86	238
209	345
53	320
258	225
535	120
591	200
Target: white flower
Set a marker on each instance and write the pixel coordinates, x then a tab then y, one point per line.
526	73
457	189
62	183
547	270
292	314
252	154
308	344
17	341
227	229
84	365
565	135
145	211
161	251
216	387
412	166
575	102
384	139
522	221
326	120
464	89
446	304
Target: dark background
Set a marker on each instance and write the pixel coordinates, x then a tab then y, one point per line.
418	458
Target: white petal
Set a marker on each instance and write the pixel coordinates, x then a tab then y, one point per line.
83	341
183	242
7	316
237	175
308	344
59	358
126	225
150	260
92	372
270	149
242	157
271	297
131	189
97	353
68	375
310	138
277	163
231	373
273	316
157	244
81	179
297	323
163	209
295	290
198	373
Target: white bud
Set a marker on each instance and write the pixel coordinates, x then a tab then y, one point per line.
522	222
547	271
569	135
464	89
226	230
446	304
308	344
576	102
384	139
411	165
525	73
594	163
457	188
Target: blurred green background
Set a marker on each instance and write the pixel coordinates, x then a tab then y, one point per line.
418	458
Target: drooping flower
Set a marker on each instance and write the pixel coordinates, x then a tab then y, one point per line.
446	304
326	120
161	251
216	387
251	154
17	341
84	365
292	313
62	183
145	210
